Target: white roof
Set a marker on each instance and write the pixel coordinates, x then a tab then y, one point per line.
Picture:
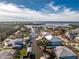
43	57
29	49
77	37
48	37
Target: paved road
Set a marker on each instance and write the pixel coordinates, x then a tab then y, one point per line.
7	54
36	49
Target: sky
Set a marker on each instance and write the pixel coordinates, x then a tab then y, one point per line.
39	10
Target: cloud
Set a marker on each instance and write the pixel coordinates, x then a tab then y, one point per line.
12	12
52	7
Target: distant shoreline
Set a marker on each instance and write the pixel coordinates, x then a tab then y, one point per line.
40	22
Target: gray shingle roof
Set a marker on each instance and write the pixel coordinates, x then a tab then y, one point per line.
62	51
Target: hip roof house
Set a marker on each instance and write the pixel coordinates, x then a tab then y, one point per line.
63	52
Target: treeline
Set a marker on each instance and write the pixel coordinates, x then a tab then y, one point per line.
73	26
6	30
